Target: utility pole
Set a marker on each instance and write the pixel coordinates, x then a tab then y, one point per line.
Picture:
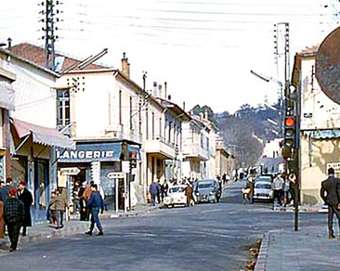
49	12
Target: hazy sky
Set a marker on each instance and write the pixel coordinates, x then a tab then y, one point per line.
203	49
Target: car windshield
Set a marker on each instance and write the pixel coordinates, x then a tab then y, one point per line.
176	189
205	185
263	186
264	179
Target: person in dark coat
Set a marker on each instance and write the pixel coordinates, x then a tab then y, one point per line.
95	204
14	215
26	197
154	191
330	193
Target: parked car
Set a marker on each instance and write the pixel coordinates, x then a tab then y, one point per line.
207	191
176	196
263	190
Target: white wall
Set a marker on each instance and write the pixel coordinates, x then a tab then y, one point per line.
324	112
35	97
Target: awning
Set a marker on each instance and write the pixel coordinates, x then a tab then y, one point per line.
6	95
43	135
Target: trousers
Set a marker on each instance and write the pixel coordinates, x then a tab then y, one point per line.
95	219
13	234
331	211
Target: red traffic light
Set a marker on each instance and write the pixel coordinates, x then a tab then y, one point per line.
289	121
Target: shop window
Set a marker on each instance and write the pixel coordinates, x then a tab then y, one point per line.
41	184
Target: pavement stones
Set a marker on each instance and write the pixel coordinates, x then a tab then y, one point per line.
308	249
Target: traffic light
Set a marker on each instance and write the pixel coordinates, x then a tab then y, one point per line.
289	141
132	159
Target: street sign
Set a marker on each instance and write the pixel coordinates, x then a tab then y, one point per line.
334	165
70	171
116	175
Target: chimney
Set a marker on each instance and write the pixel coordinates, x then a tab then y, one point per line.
125	66
169	97
201	115
165	90
206	117
160	91
184	106
154	89
9	42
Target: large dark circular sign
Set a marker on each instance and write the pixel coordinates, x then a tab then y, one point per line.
327	67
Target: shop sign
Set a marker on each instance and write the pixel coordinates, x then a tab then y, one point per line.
70	171
90	153
116	175
334	165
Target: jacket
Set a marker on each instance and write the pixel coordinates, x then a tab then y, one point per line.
26	198
14	211
58	203
95	201
330	191
154	188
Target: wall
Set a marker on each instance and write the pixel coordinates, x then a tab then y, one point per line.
35	98
315	154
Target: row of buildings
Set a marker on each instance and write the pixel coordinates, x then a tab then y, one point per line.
81	121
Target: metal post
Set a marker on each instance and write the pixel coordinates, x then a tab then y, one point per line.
125	194
116	194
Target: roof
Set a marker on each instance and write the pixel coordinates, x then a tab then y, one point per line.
37	55
309	51
174	108
29	62
42	135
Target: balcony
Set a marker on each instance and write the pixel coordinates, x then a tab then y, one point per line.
195	151
159	147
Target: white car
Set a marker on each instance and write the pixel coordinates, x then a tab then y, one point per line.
263	190
176	196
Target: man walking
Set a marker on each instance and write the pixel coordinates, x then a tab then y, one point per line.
95	204
154	191
330	193
14	216
278	188
26	198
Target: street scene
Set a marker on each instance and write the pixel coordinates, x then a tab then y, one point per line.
170	135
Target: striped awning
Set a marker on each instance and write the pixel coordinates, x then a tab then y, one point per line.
324	134
43	135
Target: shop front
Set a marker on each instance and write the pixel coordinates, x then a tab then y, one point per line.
33	160
96	161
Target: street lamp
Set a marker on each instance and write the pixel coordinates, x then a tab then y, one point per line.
281	87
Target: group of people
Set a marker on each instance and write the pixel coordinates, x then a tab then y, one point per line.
15	213
283	189
159	191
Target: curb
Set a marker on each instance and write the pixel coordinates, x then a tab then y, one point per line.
80	228
261	260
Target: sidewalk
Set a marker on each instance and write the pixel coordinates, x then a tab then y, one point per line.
303	209
308	249
43	231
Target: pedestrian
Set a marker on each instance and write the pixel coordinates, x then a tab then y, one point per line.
189	194
164	190
278	188
14	215
86	196
95	204
159	192
52	209
251	186
330	193
3	191
2	221
154	191
60	206
286	192
26	198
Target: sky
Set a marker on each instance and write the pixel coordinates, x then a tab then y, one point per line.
203	49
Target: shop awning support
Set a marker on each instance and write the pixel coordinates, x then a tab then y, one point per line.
22	143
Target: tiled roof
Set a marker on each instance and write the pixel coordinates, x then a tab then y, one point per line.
37	55
310	51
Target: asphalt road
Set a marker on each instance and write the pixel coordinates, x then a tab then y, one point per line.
204	237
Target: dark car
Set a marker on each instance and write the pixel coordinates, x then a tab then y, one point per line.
207	191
